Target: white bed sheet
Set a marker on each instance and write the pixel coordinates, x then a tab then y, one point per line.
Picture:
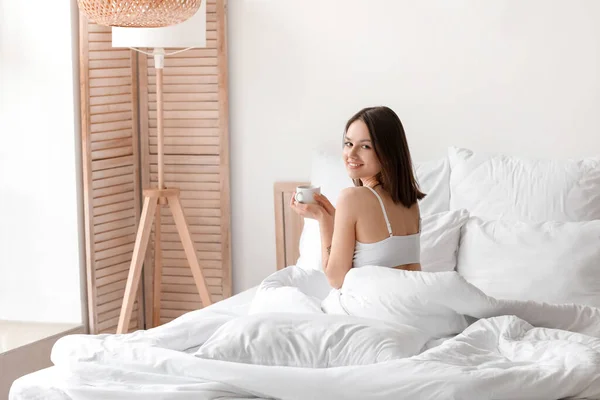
41	385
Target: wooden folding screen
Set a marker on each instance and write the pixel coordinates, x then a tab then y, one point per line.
110	159
115	171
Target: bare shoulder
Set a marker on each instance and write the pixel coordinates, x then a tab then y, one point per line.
353	197
353	194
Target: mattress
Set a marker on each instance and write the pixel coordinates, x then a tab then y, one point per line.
42	384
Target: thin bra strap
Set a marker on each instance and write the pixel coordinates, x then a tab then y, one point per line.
387	221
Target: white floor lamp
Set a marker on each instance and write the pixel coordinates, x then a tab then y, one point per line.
156	33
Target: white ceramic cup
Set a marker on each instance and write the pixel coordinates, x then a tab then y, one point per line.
305	194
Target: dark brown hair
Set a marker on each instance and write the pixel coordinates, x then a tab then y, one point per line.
390	144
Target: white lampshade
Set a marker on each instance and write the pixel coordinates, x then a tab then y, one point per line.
190	33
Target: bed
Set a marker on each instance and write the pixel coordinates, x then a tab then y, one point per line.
507	305
42	385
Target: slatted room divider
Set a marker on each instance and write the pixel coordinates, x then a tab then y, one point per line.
118	96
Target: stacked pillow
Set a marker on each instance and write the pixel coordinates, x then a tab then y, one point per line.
534	227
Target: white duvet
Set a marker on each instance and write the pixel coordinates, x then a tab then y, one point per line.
387	334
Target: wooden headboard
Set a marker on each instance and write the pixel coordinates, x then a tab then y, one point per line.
288	225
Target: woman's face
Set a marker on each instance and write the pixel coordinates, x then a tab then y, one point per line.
359	155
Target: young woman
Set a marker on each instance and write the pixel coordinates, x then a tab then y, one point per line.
377	222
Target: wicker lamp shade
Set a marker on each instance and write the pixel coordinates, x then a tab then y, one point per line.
139	13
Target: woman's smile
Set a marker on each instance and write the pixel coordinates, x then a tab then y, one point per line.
353	164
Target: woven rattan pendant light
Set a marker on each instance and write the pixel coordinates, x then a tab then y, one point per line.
139	13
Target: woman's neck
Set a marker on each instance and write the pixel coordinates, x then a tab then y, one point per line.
370	182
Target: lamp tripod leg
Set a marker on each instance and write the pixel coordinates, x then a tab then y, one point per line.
135	269
157	281
190	251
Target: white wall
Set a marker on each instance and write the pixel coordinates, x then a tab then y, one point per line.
515	76
40	246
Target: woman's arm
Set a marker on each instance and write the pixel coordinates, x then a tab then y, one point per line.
326	230
337	232
338	240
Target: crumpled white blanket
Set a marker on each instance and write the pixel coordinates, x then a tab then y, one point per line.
481	348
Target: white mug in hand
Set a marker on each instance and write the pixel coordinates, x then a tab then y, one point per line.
305	194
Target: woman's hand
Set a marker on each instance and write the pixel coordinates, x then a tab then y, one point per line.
322	209
325	203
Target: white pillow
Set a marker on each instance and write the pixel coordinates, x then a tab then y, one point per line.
553	262
434	180
440	234
311	341
499	186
